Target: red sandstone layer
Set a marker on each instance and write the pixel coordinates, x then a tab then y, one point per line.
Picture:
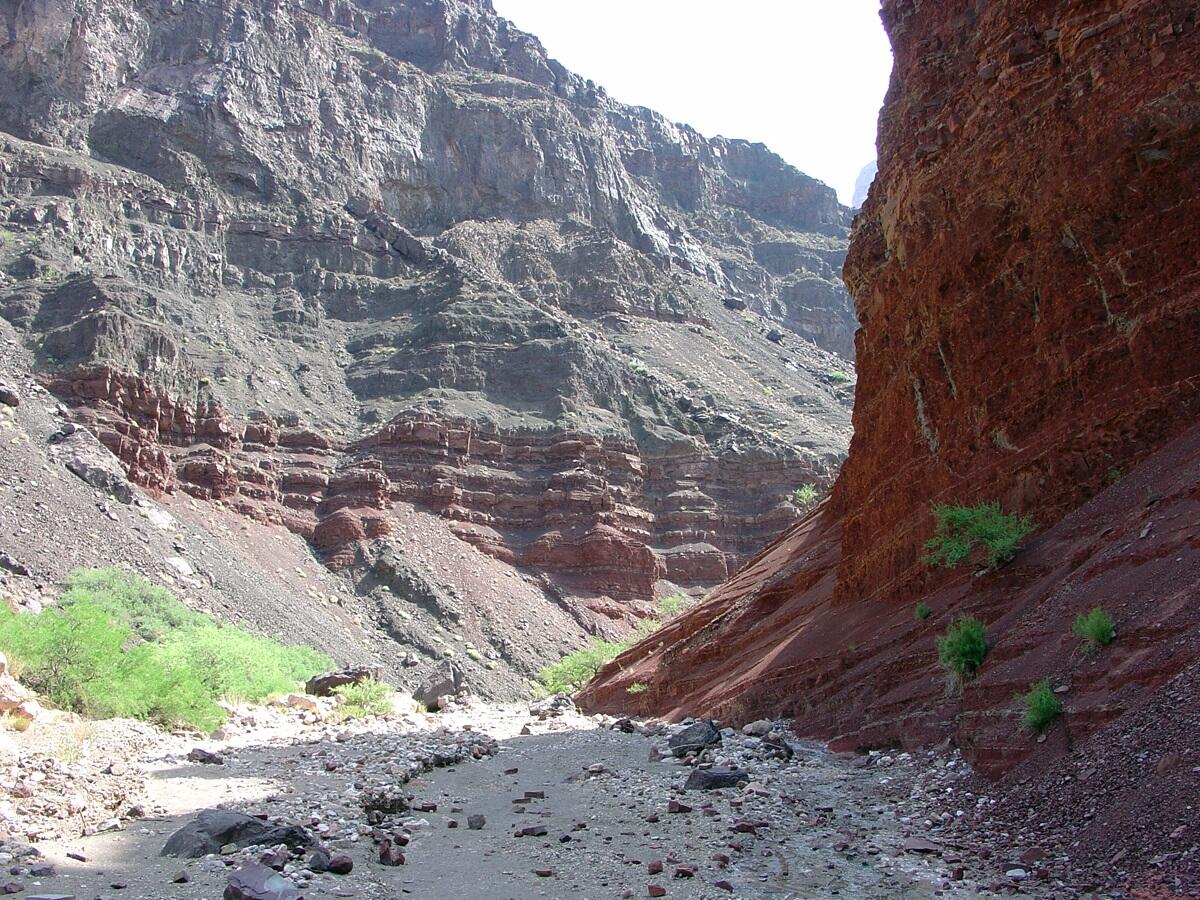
594	513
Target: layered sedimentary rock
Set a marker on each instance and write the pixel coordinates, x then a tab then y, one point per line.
1025	274
310	259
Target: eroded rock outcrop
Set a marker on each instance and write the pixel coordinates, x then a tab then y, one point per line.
1024	271
308	259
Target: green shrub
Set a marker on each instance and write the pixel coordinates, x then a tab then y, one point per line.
837	376
1096	628
366	698
576	669
669	607
637	687
962	532
805	495
1041	706
922	612
119	646
962	648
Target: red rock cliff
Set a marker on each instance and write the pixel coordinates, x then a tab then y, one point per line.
1025	270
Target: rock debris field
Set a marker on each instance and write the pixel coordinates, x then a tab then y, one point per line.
479	801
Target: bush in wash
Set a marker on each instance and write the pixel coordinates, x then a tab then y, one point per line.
986	531
963	647
1041	706
365	698
1096	628
576	669
922	612
120	646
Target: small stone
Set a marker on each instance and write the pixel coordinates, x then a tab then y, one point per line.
724	885
657	890
543	873
475	822
654	867
12	887
674	806
390	854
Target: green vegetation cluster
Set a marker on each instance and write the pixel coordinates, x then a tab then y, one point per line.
805	495
963	647
118	646
1096	628
365	698
576	669
963	532
1041	706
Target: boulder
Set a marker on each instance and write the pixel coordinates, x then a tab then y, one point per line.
444	681
323	685
697	736
757	729
255	882
9	395
551	706
213	829
715	778
89	460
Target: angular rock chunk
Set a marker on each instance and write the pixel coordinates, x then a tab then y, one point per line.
714	778
444	681
696	737
255	882
213	829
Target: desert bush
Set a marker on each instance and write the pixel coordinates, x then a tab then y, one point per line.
963	647
1041	706
637	687
963	532
673	605
1096	628
922	612
365	698
576	669
118	646
805	495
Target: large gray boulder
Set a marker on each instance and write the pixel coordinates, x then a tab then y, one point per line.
213	829
446	680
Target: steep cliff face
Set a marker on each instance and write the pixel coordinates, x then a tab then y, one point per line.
1025	274
313	259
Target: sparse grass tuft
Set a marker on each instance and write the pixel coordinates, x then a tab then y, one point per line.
637	687
922	612
11	722
1041	706
805	495
118	646
1096	628
366	698
963	647
962	532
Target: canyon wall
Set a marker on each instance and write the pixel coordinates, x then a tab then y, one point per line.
309	260
1025	271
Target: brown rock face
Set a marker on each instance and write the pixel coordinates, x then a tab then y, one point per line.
1025	273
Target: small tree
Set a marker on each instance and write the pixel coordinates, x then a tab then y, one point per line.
962	532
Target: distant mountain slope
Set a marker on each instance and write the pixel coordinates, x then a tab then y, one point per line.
311	260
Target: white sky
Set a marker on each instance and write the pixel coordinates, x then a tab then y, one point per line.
805	77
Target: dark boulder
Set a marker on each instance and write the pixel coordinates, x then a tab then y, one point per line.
213	829
255	882
696	737
716	777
